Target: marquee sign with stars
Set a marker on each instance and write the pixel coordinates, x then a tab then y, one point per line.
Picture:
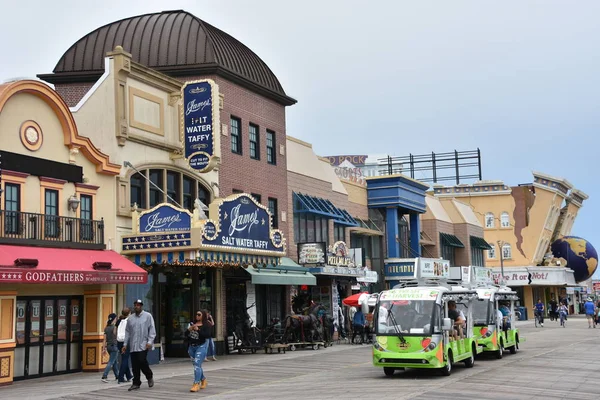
245	225
71	277
157	242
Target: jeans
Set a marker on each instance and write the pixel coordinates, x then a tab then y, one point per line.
139	362
113	352
198	353
211	350
124	370
540	314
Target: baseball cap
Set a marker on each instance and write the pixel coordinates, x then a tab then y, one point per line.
138	301
111	318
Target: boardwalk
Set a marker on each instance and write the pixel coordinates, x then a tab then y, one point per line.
554	363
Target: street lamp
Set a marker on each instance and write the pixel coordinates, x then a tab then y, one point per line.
500	248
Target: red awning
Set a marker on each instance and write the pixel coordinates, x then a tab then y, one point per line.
26	264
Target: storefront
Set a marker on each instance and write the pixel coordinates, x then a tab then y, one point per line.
229	265
53	313
533	283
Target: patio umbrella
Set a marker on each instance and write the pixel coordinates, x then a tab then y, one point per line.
356	300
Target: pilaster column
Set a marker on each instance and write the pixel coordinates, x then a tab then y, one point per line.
8	308
98	303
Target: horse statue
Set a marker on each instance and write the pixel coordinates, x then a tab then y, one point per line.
304	328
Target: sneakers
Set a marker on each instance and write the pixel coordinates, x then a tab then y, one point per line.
150	382
215	358
542	325
105	380
134	387
195	387
203	384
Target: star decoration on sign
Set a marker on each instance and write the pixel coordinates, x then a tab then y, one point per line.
162	244
136	239
143	239
128	240
226	216
263	221
155	245
168	236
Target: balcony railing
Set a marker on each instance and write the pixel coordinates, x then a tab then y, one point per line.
50	230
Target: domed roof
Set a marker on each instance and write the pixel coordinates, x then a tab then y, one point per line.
176	43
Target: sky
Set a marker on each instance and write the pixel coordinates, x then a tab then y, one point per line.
517	79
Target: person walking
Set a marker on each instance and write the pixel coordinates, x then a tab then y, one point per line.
110	347
198	333
124	370
210	343
590	312
139	338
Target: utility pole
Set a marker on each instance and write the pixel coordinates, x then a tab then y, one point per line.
500	244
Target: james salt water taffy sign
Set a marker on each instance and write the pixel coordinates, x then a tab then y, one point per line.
200	122
165	218
243	224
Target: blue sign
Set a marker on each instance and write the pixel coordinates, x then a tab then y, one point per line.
165	218
198	124
243	224
399	269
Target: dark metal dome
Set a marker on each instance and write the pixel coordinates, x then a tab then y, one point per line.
173	42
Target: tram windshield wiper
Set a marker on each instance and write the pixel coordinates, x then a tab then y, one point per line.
398	331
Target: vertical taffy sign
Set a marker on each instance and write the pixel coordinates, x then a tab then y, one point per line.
200	123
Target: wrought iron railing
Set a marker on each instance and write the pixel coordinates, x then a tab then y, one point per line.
18	227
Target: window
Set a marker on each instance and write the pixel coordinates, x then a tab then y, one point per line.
273	210
236	135
51	228
237	191
506	251
254	135
319	226
489	220
448	254
183	189
173	187
156	195
491	253
505	220
137	187
477	257
339	233
12	208
86	231
257	197
271	157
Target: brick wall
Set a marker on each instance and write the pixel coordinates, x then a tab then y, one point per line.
73	92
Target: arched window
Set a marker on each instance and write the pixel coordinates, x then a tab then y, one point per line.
491	253
489	220
504	220
175	188
506	251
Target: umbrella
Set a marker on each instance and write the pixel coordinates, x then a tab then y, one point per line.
356	299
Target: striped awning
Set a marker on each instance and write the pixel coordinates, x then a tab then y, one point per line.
179	257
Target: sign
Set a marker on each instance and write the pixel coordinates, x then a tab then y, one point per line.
546	276
348	172
312	253
338	271
200	122
409	294
251	300
356	160
70	277
434	268
339	256
165	218
411	268
399	268
243	224
482	275
356	255
370	277
596	286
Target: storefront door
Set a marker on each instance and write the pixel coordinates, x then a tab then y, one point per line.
177	302
48	336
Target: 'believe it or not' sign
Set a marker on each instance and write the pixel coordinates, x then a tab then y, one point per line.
200	122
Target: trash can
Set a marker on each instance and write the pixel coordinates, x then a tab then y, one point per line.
523	311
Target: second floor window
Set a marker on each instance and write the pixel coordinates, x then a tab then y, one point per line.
51	228
12	207
86	229
489	220
271	157
253	134
137	186
173	189
339	233
156	196
505	220
273	211
257	197
236	135
506	251
491	253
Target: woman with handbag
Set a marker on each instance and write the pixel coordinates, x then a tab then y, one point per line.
199	331
110	347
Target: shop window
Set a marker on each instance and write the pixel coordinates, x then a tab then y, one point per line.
477	257
189	193
137	186
51	222
173	187
489	220
12	208
236	135
339	233
257	197
491	253
156	195
86	230
506	251
273	210
505	220
271	155
448	254
319	228
254	136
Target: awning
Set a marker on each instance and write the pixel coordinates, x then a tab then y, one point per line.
281	276
450	240
338	271
480	243
304	203
28	264
180	257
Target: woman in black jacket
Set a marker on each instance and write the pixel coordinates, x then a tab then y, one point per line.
199	331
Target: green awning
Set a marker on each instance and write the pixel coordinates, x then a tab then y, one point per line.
480	243
450	240
281	276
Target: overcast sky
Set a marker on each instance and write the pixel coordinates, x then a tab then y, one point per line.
517	79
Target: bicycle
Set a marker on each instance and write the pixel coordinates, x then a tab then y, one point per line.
538	319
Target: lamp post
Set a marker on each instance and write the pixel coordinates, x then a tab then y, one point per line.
500	244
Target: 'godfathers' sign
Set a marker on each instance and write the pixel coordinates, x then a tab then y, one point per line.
165	218
243	224
200	122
